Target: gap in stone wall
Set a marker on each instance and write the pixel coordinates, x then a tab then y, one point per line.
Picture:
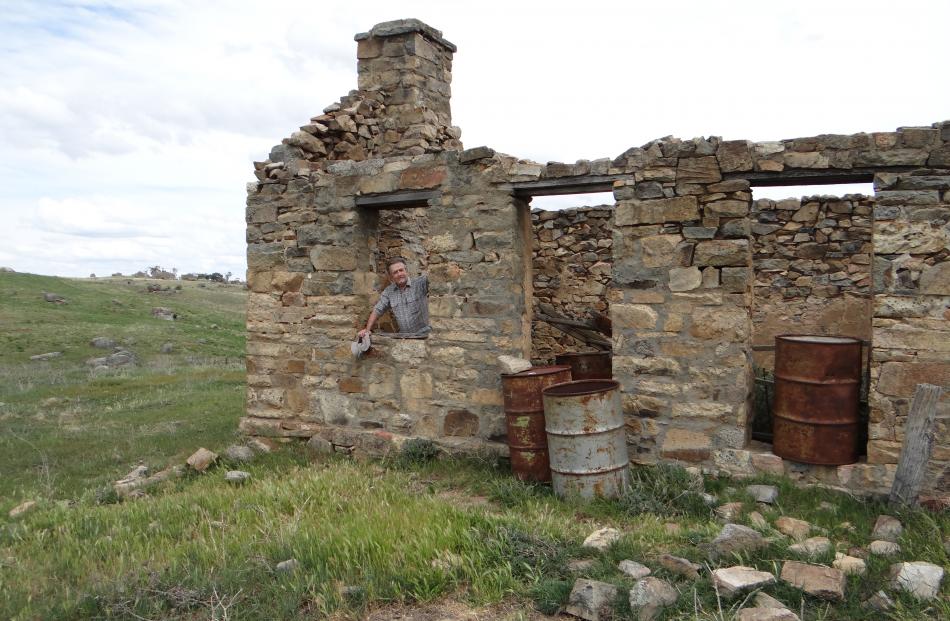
400	233
812	275
572	265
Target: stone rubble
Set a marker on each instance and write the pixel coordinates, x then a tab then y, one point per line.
920	579
887	528
680	566
764	600
849	564
591	600
731	581
817	580
602	538
22	509
730	512
239	453
736	538
634	569
649	596
237	477
202	459
767	494
767	614
811	547
513	364
793	527
884	548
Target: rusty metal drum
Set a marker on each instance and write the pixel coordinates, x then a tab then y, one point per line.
817	391
589	365
524	415
587	442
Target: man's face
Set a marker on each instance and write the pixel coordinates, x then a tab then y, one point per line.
398	274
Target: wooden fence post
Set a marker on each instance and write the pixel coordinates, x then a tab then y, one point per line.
918	441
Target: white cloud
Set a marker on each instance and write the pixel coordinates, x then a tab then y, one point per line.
127	129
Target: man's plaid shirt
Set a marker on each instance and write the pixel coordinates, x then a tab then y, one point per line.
409	305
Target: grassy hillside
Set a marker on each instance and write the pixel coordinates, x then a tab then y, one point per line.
66	428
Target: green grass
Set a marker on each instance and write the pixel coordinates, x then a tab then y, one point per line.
65	429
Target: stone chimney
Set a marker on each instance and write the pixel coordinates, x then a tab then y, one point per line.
409	65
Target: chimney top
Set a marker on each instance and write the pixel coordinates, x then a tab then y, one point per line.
403	26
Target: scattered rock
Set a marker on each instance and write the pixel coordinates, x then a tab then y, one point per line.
817	580
120	358
763	493
767	614
758	520
287	566
167	348
850	564
887	528
261	445
22	509
590	599
884	548
729	511
764	600
731	581
602	539
102	342
137	473
811	547
512	364
54	298
236	452
634	569
237	477
129	484
167	314
649	595
201	459
320	446
879	601
580	565
736	538
794	528
920	579
767	462
47	356
680	566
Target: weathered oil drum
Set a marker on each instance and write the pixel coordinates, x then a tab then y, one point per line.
817	390
590	365
586	438
524	415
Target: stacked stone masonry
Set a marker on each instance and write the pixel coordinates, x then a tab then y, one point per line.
687	253
572	267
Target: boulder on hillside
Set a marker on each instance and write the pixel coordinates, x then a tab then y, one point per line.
160	312
54	298
102	342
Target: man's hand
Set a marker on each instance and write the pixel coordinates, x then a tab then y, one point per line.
362	333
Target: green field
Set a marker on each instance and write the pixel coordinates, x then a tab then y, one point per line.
425	539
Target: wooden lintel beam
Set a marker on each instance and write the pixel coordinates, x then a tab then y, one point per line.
583	184
814	176
394	200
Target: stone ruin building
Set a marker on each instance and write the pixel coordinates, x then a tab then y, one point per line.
696	275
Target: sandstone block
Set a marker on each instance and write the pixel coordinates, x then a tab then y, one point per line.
658	250
635	316
817	580
602	538
333	258
685	278
736	538
634	569
794	528
591	600
698	170
734	155
920	579
727	208
732	581
722	252
766	614
650	595
658	211
686	445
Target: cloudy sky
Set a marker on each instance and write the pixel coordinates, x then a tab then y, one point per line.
128	128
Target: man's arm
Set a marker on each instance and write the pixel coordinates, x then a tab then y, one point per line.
369	324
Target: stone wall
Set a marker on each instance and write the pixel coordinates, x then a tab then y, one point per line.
572	265
812	263
911	340
681	300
